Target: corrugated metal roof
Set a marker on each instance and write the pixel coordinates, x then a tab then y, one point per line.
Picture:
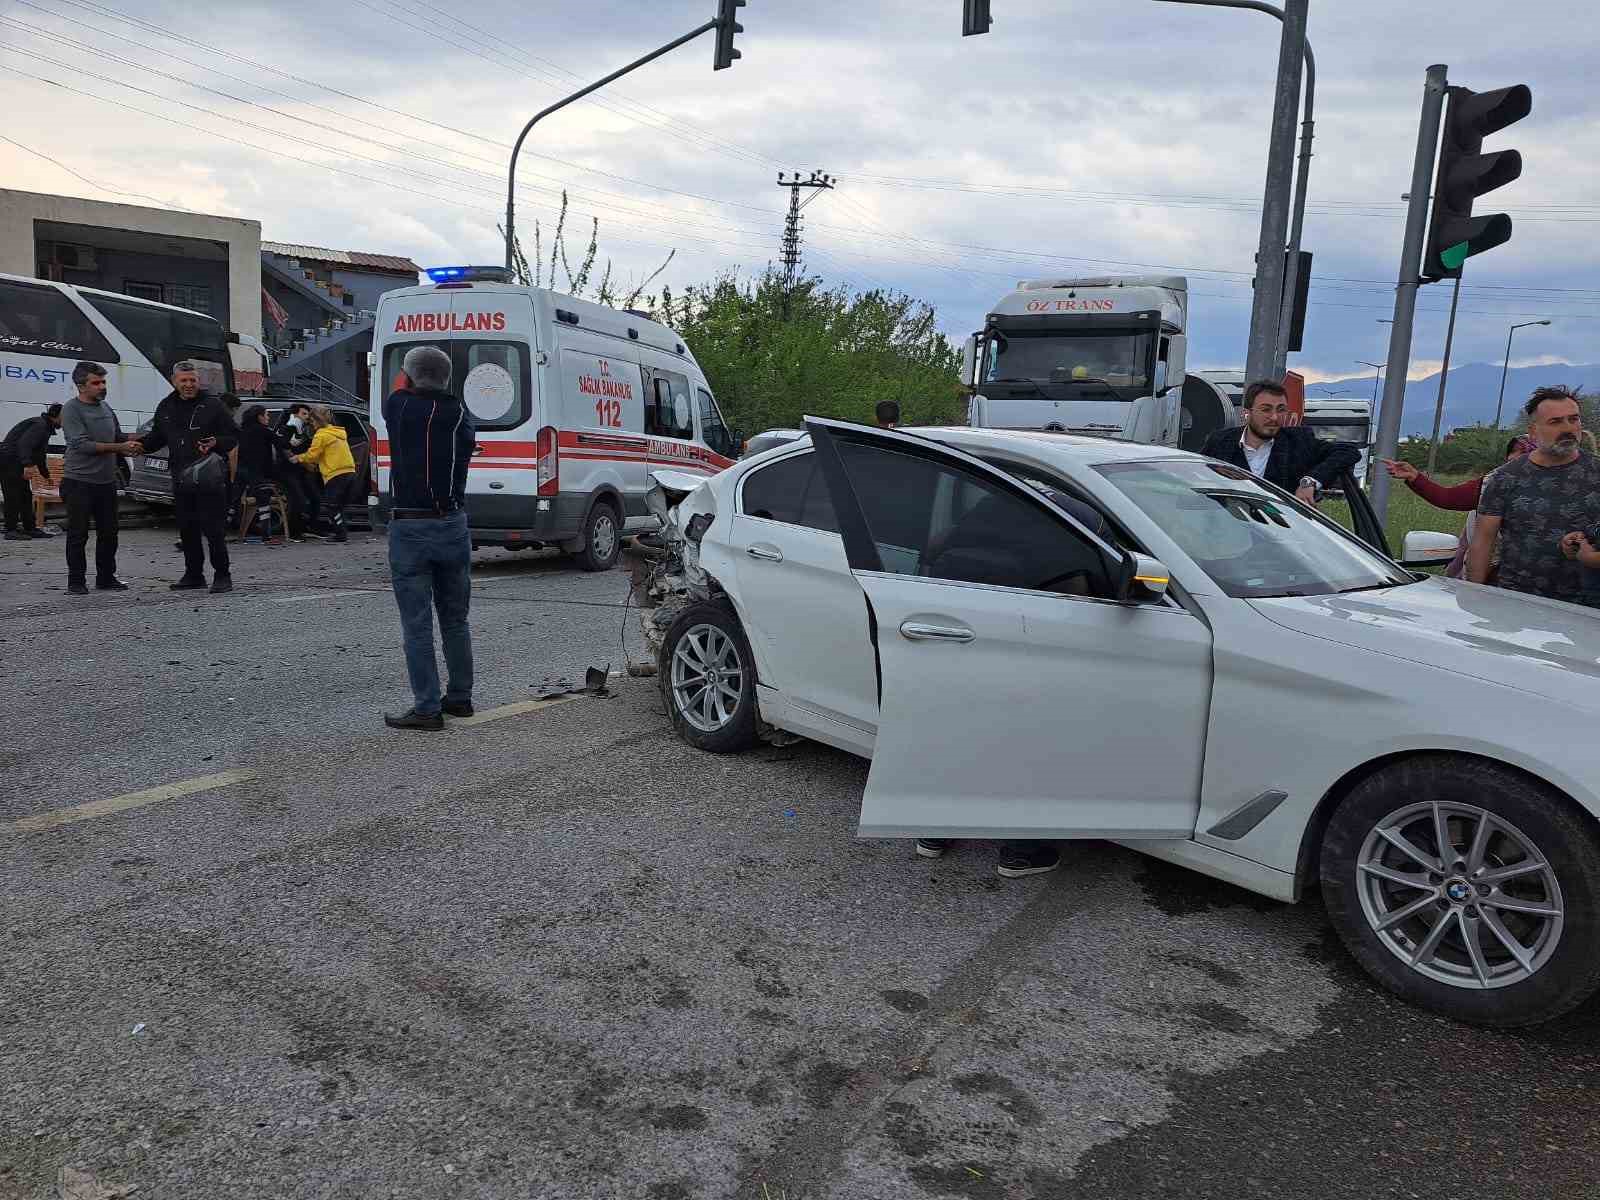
347	258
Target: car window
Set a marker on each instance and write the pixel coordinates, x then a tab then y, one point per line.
791	491
939	521
352	426
1251	539
40	320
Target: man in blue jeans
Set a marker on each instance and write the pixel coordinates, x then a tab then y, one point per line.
430	551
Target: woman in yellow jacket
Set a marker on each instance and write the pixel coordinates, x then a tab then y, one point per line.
329	452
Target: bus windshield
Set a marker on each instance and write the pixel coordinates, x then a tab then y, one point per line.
167	336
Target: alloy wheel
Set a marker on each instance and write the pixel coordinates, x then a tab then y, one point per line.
1460	895
605	536
707	678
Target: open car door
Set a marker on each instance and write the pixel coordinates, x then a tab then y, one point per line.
1021	692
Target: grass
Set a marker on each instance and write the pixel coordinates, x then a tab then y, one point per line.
1408	511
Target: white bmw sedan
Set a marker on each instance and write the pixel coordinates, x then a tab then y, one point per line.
1033	635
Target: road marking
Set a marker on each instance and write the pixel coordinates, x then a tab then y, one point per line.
311	596
513	710
100	808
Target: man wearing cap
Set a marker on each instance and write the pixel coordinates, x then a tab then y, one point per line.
193	427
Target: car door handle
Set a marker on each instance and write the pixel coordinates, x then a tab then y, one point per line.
916	631
765	553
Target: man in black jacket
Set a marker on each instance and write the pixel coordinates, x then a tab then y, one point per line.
24	448
430	551
1290	456
192	425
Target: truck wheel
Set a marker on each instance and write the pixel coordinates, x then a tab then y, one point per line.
708	679
1467	888
602	538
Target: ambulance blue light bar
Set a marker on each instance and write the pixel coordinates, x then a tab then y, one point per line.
469	274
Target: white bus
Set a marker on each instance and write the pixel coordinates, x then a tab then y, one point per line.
47	328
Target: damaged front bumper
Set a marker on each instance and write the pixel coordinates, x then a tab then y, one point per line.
668	577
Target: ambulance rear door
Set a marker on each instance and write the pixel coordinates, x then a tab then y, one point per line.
490	335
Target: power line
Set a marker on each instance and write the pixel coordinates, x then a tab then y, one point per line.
97	185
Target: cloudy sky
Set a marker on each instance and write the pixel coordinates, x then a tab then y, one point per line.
1075	138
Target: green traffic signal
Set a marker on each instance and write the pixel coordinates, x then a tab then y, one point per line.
1465	173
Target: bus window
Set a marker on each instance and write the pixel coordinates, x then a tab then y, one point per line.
40	320
166	337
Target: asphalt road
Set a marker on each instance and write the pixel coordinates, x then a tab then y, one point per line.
557	953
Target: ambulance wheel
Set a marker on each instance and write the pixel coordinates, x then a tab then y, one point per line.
708	679
602	538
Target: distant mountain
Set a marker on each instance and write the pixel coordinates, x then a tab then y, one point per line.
1470	392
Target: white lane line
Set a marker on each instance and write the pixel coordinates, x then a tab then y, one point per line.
513	710
100	808
311	596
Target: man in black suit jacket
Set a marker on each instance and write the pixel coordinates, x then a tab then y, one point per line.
1290	456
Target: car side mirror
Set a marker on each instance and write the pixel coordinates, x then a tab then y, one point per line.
1426	549
1141	579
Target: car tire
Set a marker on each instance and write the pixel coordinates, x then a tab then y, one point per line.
709	631
602	538
1535	878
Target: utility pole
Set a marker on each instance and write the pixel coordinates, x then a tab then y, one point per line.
816	184
1405	291
1266	310
1444	375
1506	367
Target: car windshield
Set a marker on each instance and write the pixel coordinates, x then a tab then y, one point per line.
1250	538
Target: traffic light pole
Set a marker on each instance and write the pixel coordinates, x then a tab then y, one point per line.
1291	280
511	173
1444	377
1405	292
1266	312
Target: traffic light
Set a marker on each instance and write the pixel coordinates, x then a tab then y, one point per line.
975	17
724	54
1465	173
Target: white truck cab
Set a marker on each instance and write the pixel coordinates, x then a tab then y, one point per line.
573	404
1102	356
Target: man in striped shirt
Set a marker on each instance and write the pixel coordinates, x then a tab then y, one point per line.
430	550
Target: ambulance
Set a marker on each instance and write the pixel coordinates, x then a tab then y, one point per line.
573	405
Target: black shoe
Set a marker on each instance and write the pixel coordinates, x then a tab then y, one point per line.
1032	860
77	589
458	708
39	534
932	847
222	583
112	584
16	535
341	536
189	583
412	719
316	535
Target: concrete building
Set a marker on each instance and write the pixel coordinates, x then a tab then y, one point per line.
319	310
207	263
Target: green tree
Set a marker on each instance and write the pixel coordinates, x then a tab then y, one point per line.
837	354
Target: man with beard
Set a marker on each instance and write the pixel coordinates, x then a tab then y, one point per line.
1533	503
191	426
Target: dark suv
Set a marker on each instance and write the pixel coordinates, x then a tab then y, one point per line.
150	482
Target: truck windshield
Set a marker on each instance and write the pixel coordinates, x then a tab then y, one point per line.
1253	540
1339	429
1060	362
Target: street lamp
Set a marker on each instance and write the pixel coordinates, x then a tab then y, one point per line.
1507	366
1378	371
